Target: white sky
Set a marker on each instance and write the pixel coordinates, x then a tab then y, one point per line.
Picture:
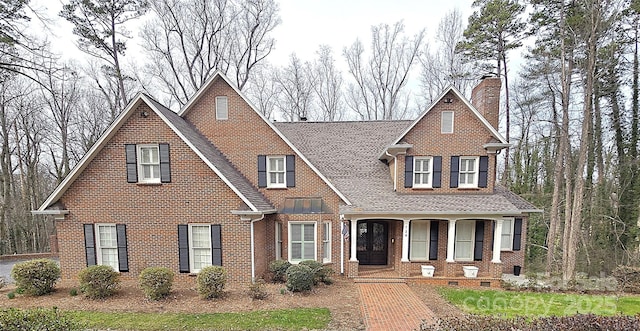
306	24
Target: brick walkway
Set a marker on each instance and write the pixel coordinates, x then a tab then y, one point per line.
392	306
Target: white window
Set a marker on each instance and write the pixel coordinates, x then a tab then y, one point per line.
422	170
107	245
276	172
326	242
148	164
468	175
464	243
302	242
278	241
506	243
199	246
419	240
446	122
222	108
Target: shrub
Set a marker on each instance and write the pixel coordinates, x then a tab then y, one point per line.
628	279
299	278
156	282
211	281
11	295
99	281
3	282
279	270
73	292
320	272
257	290
52	319
36	277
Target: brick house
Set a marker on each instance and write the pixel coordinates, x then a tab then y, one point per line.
219	184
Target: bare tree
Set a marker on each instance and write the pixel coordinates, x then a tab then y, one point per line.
328	86
443	66
378	92
296	83
188	40
264	90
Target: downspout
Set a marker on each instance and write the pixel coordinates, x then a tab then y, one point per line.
341	244
253	248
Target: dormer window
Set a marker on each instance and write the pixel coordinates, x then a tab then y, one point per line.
222	108
422	172
446	122
468	176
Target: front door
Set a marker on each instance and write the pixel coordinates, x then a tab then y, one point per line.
372	242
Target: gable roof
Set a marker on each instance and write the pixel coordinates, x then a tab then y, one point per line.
220	75
473	109
351	162
253	199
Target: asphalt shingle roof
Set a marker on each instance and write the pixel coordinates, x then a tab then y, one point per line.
347	154
213	155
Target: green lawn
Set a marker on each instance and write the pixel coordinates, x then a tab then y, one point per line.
510	304
289	319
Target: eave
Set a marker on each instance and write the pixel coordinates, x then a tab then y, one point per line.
391	151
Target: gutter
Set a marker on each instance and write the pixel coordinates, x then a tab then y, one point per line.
253	216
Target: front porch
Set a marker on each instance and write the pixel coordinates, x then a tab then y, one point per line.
386	274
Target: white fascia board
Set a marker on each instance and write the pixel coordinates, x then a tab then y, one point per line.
217	74
444	215
77	170
452	88
202	157
50	212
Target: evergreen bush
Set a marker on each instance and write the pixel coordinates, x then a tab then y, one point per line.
156	282
36	277
278	269
211	281
99	281
299	278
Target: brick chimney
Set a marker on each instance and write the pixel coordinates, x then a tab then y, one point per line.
486	98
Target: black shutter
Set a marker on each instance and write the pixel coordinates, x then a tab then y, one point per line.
484	171
408	171
123	257
216	245
437	171
433	240
132	166
183	247
517	234
455	168
89	244
165	166
262	171
477	249
291	170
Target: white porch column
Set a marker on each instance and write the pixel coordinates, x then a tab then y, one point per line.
451	240
497	241
405	240
354	239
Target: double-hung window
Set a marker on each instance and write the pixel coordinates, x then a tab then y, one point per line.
302	241
276	171
419	241
506	240
200	244
107	245
149	163
278	241
468	175
422	172
326	242
464	243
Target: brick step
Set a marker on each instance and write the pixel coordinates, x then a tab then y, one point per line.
379	280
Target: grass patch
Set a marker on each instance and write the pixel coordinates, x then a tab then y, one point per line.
286	319
511	304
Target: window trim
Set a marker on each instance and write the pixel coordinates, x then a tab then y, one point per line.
192	269
417	159
278	240
284	171
476	171
427	241
226	99
96	229
326	241
510	241
140	164
290	242
472	241
442	121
